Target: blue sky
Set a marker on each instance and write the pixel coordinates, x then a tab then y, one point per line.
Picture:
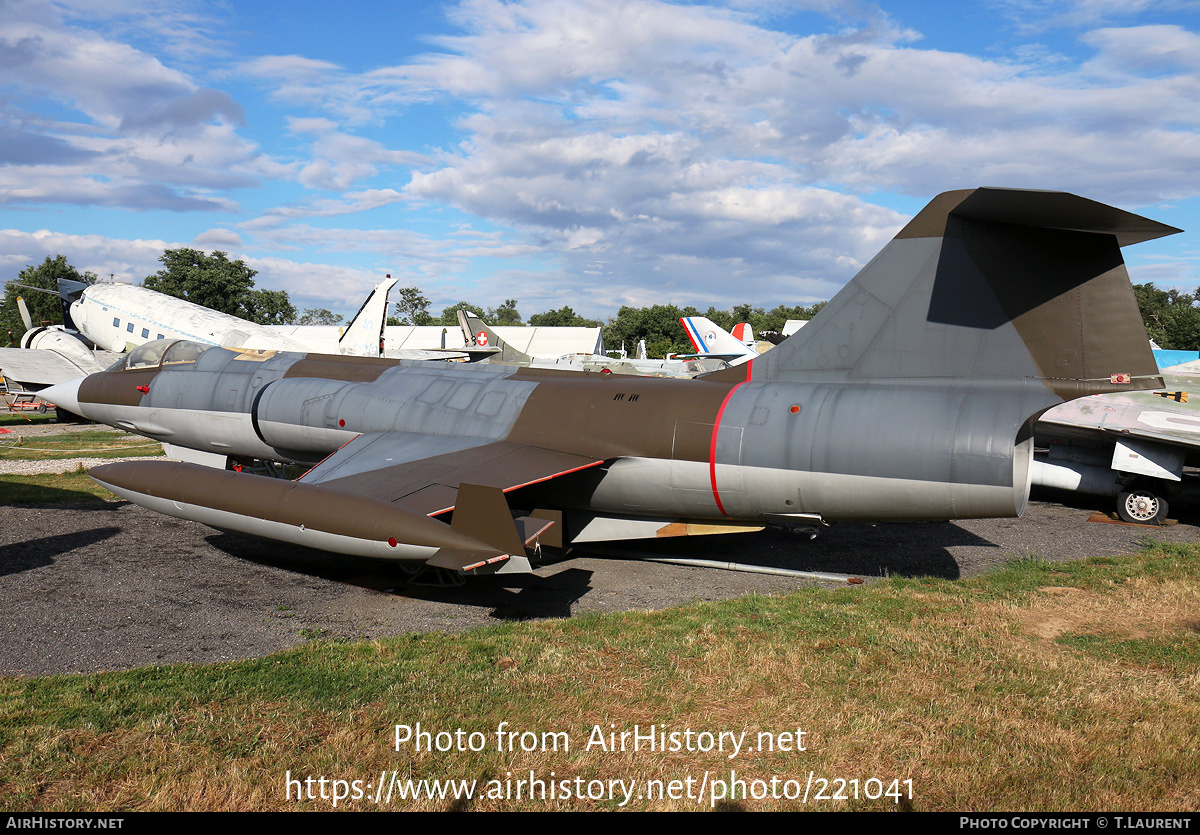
589	153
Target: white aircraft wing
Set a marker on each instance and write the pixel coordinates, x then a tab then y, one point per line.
36	369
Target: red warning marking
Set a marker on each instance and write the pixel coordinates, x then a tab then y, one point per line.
712	449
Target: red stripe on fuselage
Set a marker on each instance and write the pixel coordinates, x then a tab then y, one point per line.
712	446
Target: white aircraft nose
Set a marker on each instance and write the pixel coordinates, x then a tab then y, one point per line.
64	395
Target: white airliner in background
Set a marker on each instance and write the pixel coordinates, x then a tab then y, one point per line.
110	319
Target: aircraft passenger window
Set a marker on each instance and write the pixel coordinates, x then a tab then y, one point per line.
145	333
160	336
116	322
129	327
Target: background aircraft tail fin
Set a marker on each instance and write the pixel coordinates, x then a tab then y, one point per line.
363	337
709	338
744	333
480	336
986	285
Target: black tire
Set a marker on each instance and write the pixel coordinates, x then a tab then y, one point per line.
1142	506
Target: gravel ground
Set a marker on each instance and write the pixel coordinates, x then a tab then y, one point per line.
113	586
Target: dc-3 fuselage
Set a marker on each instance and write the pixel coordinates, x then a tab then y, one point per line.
911	396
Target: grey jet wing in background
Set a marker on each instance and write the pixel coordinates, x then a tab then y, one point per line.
1131	446
911	396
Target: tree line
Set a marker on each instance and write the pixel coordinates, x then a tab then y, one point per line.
1172	318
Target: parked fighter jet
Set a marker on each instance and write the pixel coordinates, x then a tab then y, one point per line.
1132	446
910	396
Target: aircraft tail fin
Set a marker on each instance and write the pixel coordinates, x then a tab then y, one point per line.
988	285
363	337
480	336
744	333
709	338
69	291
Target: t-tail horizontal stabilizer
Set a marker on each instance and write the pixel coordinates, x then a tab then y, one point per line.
987	285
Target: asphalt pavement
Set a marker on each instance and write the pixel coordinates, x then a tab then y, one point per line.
113	586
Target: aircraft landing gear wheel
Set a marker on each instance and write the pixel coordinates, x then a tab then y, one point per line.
1142	506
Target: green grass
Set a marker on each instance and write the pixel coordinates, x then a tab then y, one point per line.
52	488
11	420
1045	686
92	443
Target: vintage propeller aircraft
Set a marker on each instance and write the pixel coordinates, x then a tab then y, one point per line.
910	396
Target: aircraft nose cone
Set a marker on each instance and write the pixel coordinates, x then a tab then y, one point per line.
64	395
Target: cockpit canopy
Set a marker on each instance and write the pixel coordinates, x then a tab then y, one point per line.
160	352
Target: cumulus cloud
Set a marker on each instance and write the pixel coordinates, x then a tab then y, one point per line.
692	144
620	151
125	260
134	132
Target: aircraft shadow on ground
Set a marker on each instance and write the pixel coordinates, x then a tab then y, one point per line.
509	596
911	550
40	552
904	550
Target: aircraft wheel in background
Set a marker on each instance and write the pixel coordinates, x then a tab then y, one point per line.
1142	506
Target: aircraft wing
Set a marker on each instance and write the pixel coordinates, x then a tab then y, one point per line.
422	473
35	369
1168	429
1146	433
1150	417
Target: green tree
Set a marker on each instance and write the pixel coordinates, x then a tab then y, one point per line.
215	282
412	308
658	325
1172	319
211	281
564	317
505	314
268	307
449	315
319	316
43	307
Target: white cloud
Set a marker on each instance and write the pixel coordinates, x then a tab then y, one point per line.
222	239
348	203
126	260
134	134
626	151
